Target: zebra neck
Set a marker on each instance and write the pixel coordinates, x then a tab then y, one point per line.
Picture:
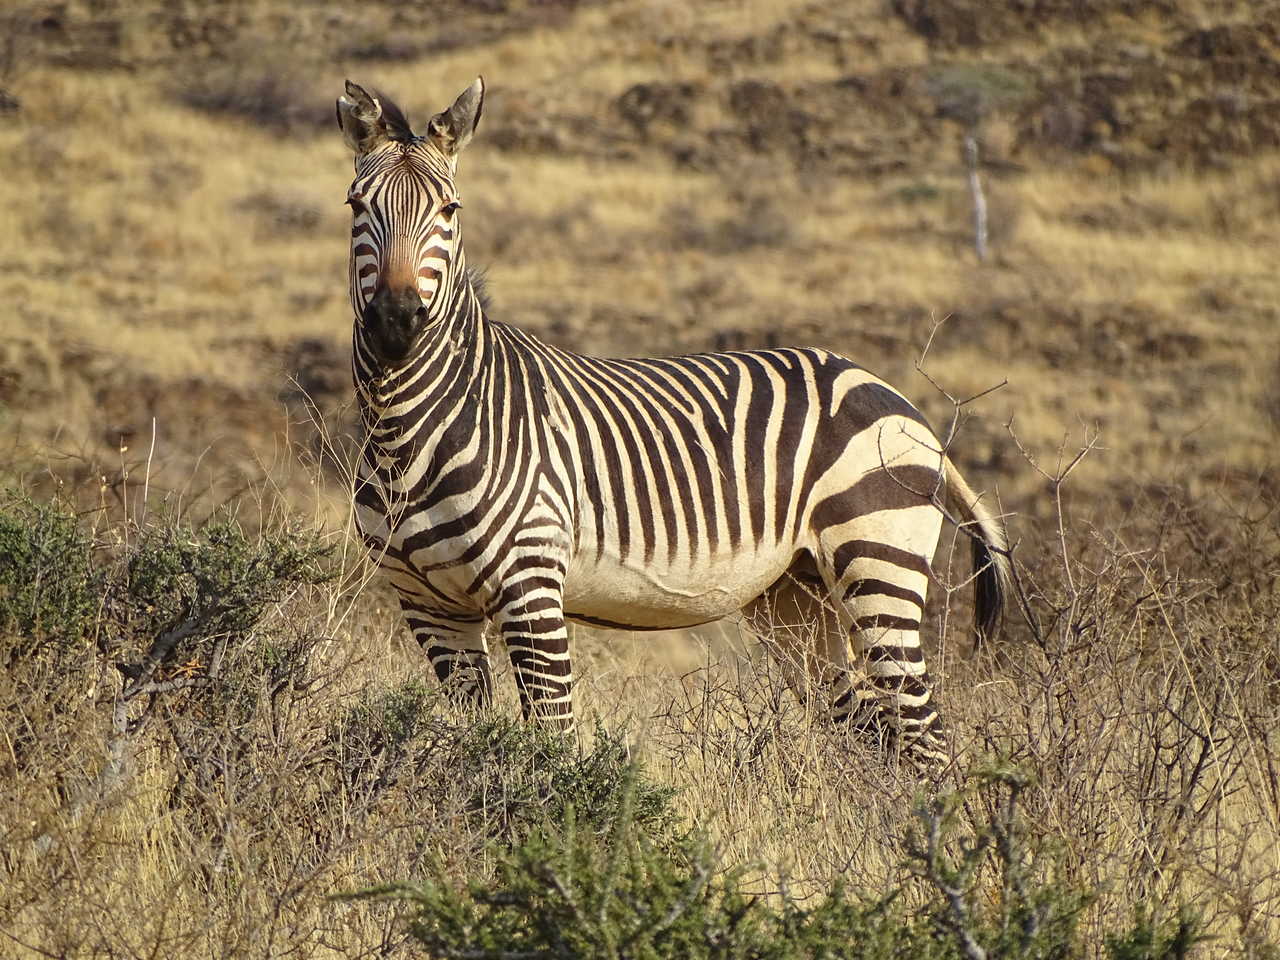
449	366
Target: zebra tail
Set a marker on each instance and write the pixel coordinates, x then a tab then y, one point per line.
993	579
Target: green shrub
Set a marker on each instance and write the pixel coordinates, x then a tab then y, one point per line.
207	581
57	587
1150	939
522	777
991	890
183	618
571	893
170	614
505	778
384	721
571	890
50	591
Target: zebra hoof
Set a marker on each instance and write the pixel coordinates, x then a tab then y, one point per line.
928	752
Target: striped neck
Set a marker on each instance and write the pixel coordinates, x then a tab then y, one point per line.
450	353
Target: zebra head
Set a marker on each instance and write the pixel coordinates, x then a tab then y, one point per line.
405	239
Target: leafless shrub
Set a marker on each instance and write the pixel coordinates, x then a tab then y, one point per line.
1143	696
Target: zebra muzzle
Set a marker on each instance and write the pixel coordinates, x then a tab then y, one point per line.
391	323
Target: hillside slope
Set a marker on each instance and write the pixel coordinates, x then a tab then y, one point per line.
741	175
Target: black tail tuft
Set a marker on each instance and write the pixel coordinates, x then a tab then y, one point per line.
988	593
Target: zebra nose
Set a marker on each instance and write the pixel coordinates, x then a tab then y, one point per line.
391	322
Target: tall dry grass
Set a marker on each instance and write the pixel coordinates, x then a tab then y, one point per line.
1135	687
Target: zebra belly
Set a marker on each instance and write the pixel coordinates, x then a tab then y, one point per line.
613	593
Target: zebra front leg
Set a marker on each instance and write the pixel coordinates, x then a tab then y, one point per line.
538	644
457	650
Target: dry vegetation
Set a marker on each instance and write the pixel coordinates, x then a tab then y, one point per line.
649	176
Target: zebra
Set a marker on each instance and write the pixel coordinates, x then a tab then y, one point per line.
508	482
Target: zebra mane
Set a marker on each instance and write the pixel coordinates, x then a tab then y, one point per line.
397	123
479	278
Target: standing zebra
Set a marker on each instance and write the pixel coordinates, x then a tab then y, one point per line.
507	481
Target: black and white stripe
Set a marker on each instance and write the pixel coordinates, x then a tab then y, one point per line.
509	482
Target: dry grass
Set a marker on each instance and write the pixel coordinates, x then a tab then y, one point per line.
1142	698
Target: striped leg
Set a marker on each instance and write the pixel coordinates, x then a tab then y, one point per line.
457	650
538	643
882	588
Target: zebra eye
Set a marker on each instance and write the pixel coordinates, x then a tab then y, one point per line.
450	206
356	204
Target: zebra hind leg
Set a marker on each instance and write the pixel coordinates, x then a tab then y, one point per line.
797	624
882	590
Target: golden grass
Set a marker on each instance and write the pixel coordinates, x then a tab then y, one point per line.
1107	718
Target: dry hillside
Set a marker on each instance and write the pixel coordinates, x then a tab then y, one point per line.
650	178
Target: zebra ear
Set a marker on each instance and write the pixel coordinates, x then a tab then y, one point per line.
361	120
452	129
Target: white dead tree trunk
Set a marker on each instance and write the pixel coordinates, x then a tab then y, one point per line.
979	198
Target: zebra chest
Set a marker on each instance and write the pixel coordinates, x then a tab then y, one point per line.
458	542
